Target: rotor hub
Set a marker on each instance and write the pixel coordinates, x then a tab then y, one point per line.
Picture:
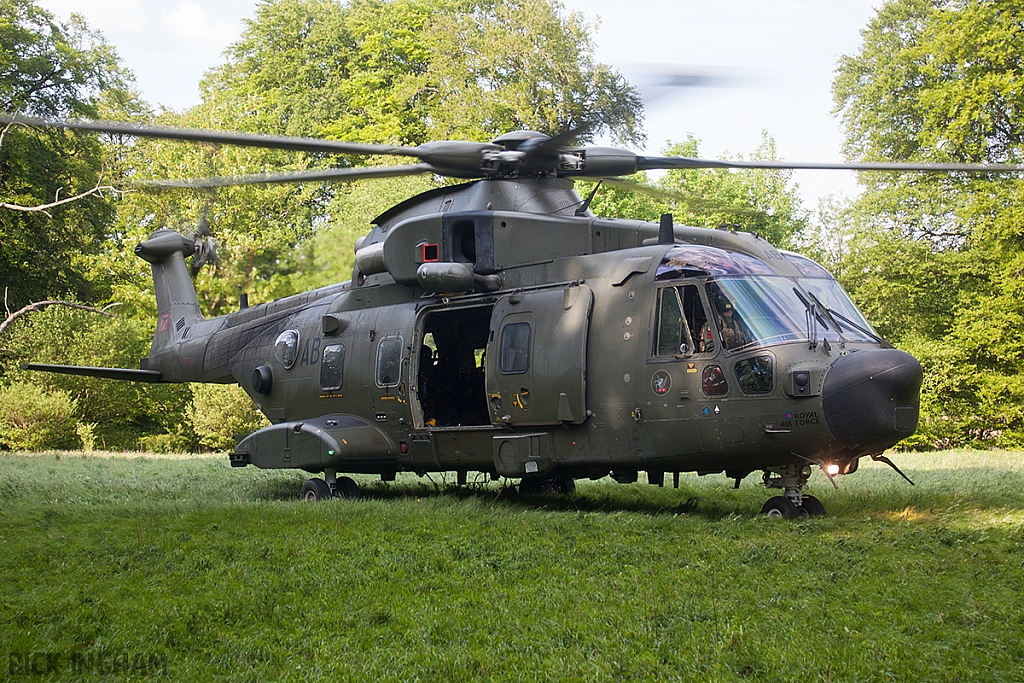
512	141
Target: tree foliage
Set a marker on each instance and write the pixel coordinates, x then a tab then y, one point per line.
938	258
122	411
408	71
52	68
33	419
754	200
219	413
395	71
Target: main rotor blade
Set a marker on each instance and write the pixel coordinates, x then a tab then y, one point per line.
292	177
688	199
649	163
215	136
563	138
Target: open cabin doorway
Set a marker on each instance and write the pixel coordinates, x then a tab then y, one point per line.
451	370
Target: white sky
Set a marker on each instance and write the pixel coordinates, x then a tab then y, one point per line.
784	50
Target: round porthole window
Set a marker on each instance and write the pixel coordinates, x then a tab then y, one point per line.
286	348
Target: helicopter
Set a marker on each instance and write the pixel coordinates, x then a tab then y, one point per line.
498	326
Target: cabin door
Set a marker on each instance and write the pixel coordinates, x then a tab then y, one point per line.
537	357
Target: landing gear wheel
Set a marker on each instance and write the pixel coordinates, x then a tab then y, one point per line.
780	507
348	489
813	507
532	487
314	490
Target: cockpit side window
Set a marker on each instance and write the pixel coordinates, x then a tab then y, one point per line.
681	313
697	318
672	337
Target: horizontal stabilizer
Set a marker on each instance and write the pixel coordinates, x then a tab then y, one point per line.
106	373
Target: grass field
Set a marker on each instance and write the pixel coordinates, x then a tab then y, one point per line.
115	568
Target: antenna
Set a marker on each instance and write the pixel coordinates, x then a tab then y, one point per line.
666	234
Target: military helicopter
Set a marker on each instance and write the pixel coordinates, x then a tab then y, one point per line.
499	326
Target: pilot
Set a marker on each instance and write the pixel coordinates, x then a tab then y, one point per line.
728	325
707	339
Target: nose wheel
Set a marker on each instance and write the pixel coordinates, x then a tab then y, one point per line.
781	507
793	503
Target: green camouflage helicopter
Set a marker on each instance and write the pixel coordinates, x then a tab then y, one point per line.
498	326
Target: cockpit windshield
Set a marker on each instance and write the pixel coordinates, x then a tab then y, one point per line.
844	313
750	305
827	292
757	310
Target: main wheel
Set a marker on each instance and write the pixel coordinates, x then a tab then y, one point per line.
813	507
348	488
780	507
532	487
314	490
566	486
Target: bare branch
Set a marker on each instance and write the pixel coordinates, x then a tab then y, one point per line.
40	305
42	208
7	128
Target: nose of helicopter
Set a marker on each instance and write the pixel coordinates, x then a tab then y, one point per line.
871	399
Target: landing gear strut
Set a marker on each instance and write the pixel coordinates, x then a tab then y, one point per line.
793	503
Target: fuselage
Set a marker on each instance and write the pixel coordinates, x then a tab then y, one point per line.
583	348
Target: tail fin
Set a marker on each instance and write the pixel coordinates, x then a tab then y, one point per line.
170	359
176	301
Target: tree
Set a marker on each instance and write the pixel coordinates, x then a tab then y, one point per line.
50	68
122	411
394	71
939	257
754	200
762	201
408	71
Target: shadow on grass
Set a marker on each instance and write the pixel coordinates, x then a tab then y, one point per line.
873	493
605	499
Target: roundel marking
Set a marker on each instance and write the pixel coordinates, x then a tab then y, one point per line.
661	382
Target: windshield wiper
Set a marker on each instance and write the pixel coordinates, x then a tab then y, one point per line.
869	333
828	312
813	318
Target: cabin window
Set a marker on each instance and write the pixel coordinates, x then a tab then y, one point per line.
332	367
755	375
286	348
389	362
515	348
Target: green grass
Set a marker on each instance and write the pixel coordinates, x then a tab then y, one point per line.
223	575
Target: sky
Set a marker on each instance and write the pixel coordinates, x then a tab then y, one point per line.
773	63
